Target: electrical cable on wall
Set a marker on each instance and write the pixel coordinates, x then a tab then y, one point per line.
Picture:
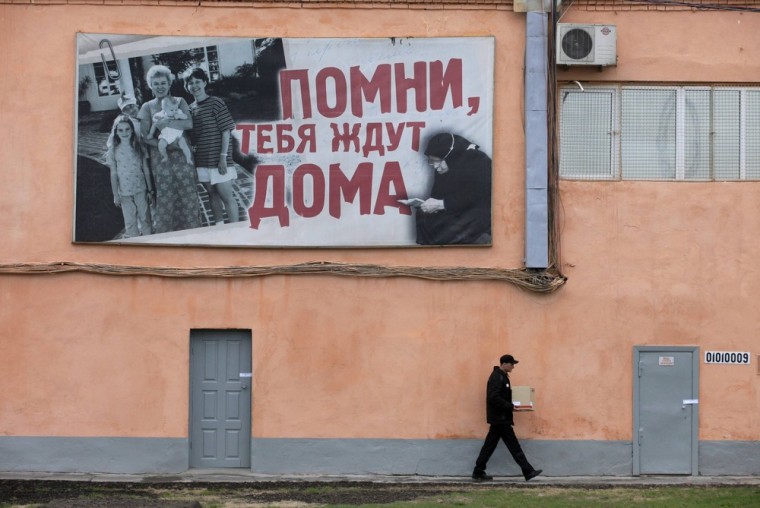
555	257
698	5
540	282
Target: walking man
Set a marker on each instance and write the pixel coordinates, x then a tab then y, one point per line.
499	410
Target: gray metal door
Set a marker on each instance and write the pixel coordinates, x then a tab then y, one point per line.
220	398
666	411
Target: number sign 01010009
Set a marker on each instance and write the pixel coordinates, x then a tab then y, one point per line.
732	357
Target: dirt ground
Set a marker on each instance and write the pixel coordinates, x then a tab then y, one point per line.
71	494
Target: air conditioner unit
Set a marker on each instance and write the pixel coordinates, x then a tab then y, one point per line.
586	44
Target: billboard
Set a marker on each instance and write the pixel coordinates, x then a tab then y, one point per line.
283	142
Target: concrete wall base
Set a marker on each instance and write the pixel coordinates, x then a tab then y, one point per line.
448	457
440	457
729	458
94	454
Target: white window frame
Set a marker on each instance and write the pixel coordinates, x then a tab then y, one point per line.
743	92
101	69
616	162
202	52
680	135
211	63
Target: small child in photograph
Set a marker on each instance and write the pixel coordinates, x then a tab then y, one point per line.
130	178
128	106
170	111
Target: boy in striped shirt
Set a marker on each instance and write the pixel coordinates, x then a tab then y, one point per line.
212	128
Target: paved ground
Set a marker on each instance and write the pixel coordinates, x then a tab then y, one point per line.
228	489
241	476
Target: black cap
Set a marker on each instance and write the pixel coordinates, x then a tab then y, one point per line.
508	359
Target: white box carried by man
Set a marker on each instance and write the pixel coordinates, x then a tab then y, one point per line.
523	398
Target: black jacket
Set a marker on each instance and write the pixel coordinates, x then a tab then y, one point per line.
499	398
466	193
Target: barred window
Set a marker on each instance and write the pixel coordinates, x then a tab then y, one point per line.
212	58
588	121
696	133
207	58
107	83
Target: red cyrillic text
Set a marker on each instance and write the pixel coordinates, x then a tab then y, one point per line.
309	199
429	84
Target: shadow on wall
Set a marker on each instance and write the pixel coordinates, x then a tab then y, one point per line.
97	219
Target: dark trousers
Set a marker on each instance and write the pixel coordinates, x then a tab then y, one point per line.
506	433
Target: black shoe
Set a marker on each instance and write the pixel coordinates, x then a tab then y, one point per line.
481	477
533	474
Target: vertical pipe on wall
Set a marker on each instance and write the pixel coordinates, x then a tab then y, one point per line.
536	139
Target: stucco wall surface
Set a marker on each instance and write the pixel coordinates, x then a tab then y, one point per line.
648	263
695	46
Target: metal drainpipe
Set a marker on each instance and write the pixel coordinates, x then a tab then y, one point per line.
536	142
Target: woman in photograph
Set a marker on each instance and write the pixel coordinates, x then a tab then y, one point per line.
176	205
458	210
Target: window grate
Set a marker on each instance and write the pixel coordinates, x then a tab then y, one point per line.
587	134
648	134
692	133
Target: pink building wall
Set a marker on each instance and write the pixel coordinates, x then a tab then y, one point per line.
648	263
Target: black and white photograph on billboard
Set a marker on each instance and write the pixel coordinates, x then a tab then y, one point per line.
283	142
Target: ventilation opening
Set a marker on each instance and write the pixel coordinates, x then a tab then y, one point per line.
577	43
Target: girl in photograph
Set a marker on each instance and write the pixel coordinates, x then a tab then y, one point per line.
212	128
130	178
176	193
